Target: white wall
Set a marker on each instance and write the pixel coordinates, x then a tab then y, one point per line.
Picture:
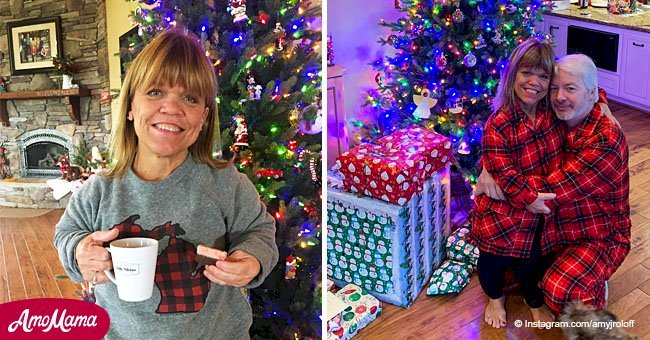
355	30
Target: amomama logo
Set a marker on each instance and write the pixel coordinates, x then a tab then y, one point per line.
52	319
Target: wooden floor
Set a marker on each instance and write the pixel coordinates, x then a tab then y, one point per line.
461	316
29	263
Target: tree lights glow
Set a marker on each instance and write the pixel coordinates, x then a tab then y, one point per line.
454	49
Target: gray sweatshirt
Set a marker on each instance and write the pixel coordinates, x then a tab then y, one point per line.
194	205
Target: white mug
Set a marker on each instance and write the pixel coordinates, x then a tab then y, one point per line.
134	263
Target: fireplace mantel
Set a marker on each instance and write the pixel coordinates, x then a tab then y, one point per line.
72	99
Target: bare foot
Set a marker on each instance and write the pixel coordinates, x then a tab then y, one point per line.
542	314
495	312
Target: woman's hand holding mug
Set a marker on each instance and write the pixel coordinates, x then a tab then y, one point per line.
92	258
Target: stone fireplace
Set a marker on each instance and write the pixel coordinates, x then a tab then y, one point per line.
37	127
39	151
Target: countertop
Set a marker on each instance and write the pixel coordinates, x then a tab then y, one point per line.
639	21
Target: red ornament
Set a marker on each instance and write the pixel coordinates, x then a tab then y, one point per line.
263	18
290	268
379	79
280	36
269	172
241	134
441	61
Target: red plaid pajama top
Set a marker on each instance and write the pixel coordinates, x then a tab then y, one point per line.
592	188
514	148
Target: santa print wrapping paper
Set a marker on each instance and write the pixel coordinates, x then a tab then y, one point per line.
391	175
415	139
387	249
363	309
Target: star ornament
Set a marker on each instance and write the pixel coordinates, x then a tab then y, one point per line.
424	102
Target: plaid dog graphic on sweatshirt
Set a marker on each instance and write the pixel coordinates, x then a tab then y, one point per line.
182	287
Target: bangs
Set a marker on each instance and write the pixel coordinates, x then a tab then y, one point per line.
538	57
178	63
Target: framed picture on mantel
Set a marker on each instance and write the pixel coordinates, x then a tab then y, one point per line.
33	43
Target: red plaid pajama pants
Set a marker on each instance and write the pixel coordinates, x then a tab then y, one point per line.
579	272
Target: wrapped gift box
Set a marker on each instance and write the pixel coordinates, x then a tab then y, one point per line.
388	249
335	308
331	287
392	175
451	277
454	274
460	249
415	139
362	309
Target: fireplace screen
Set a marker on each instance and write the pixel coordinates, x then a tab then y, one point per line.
44	155
40	150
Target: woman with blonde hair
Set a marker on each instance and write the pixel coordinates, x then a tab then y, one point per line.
166	185
520	139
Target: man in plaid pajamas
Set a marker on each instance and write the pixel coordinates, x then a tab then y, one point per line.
588	236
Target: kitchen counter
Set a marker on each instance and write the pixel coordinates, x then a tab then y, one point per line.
639	21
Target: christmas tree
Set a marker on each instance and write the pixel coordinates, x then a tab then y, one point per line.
267	59
446	68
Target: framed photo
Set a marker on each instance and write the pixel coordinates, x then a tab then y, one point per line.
32	45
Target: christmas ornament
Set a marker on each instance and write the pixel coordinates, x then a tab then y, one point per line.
294	115
417	30
480	42
497	37
424	102
237	9
254	90
263	18
525	18
311	120
303	43
385	103
290	267
280	35
510	8
379	79
470	59
312	170
463	147
330	51
441	61
458	16
392	40
455	105
241	134
269	172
